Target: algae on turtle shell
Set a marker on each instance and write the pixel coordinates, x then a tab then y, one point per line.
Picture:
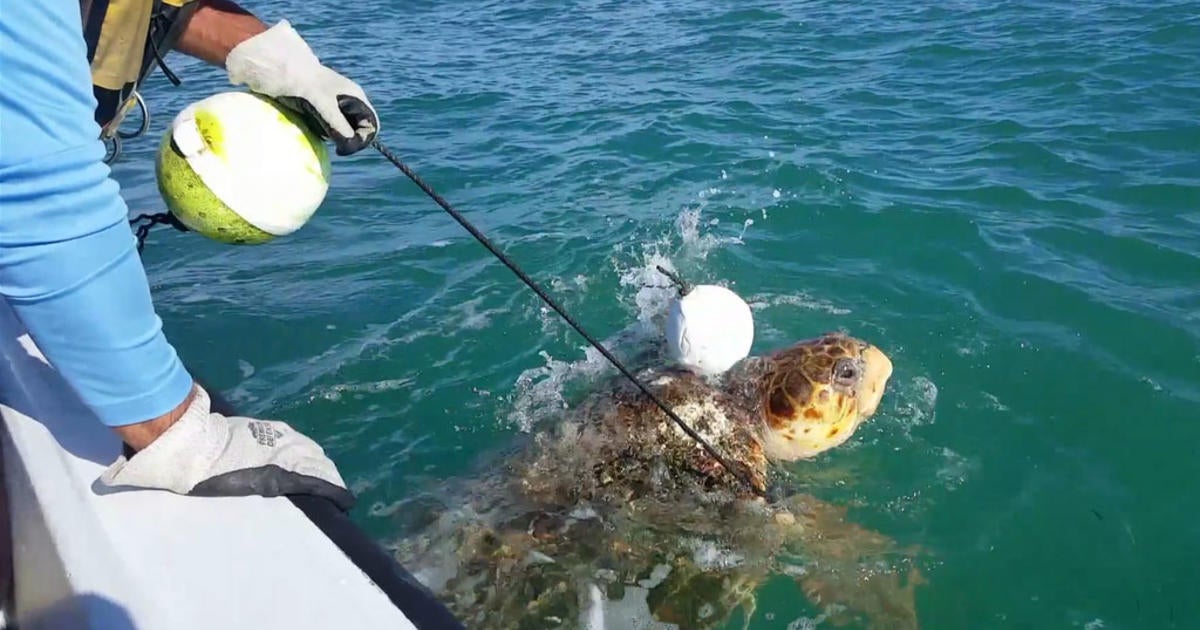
614	513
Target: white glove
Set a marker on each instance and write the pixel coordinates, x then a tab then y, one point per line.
207	454
278	63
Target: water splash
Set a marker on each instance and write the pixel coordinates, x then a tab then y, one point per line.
336	391
800	300
917	402
955	469
539	393
695	245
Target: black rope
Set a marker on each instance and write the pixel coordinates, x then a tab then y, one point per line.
148	221
683	287
158	57
548	300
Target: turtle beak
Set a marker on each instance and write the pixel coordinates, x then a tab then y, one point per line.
877	371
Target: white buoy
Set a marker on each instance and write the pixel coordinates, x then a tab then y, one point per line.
240	168
709	329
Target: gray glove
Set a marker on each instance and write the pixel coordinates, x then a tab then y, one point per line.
279	64
207	454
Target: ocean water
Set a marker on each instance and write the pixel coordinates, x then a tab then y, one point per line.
1004	197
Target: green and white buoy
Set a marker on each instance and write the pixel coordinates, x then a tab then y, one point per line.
240	168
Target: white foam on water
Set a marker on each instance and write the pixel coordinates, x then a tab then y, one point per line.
993	402
745	226
578	283
336	391
912	502
917	401
400	447
653	290
708	555
694	244
246	368
812	623
198	293
283	381
799	300
955	469
473	318
539	391
380	509
275	383
970	345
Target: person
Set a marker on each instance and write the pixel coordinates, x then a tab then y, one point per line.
68	261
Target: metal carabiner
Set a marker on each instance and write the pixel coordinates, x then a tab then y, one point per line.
112	145
112	139
141	103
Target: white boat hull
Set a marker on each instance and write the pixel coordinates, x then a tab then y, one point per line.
149	559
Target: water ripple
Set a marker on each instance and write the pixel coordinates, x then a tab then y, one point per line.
1004	196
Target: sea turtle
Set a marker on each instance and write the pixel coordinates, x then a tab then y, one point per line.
614	517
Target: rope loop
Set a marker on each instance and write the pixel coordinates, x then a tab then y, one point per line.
681	285
146	221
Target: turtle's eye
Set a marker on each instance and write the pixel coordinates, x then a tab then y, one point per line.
845	372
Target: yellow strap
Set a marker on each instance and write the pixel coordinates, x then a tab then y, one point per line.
122	41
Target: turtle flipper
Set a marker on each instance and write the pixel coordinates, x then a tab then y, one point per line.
854	573
876	599
692	598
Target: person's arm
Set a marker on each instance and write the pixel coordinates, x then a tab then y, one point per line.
277	62
215	29
69	268
68	262
139	435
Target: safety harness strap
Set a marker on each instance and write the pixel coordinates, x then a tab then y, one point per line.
125	39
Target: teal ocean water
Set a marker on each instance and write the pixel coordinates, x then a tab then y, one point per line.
1004	197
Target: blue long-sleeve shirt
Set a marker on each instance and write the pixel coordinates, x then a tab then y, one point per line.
68	259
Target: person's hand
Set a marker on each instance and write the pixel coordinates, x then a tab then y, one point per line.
207	454
279	64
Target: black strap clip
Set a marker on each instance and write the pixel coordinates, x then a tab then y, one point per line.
146	221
